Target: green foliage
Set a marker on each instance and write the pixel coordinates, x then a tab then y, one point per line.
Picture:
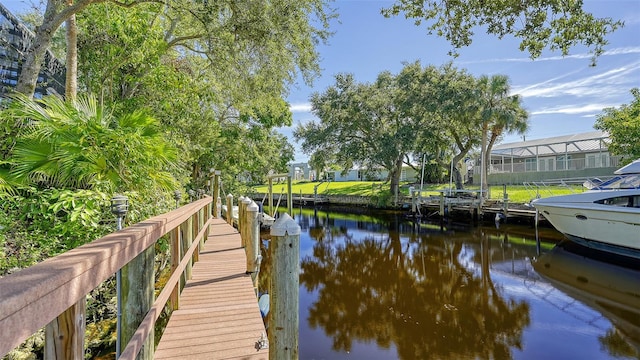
82	145
403	117
41	223
557	25
623	126
500	113
364	125
216	101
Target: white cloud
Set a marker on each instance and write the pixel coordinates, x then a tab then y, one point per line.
589	110
611	52
613	82
300	108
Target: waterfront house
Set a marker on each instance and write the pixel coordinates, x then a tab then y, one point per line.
583	155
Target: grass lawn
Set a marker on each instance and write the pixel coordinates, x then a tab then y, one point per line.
517	193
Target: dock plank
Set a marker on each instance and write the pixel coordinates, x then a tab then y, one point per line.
219	317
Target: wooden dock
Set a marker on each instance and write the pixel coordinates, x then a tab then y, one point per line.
218	317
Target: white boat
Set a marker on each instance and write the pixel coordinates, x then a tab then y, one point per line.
606	217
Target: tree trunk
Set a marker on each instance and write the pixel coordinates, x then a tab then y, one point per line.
56	13
71	83
394	176
457	176
33	62
485	163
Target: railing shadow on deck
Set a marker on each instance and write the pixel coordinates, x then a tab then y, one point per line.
34	297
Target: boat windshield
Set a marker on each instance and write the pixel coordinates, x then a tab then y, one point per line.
621	182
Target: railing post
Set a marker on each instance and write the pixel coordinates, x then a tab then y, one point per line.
64	336
138	296
195	229
230	209
176	251
187	238
218	207
216	194
284	292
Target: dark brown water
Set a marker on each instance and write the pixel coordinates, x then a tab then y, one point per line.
384	287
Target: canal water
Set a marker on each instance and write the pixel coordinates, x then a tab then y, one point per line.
388	287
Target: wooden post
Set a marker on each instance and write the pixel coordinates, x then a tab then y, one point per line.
253	237
216	193
218	212
187	238
230	209
175	261
441	204
195	229
289	196
505	201
240	216
137	297
284	290
270	212
413	200
64	336
245	225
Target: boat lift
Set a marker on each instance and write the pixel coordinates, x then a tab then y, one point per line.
272	210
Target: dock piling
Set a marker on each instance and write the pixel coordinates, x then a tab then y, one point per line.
230	209
284	290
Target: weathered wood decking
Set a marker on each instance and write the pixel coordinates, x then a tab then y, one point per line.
218	316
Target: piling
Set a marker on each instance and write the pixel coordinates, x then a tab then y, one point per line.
505	201
240	218
413	200
230	209
284	289
245	225
253	237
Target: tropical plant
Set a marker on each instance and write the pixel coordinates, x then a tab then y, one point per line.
81	145
500	113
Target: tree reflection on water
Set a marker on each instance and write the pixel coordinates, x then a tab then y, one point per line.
430	296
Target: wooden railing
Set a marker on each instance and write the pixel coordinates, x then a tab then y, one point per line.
49	292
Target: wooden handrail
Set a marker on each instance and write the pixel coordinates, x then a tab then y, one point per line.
33	297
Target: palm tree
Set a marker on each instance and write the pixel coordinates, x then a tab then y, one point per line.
500	114
80	145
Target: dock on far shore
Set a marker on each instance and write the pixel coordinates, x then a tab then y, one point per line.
469	201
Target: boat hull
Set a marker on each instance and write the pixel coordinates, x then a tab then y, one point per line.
606	227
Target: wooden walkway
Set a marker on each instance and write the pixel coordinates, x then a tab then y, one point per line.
219	317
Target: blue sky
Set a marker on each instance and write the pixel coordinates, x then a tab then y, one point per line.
562	95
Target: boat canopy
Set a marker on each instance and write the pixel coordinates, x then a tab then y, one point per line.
633	168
